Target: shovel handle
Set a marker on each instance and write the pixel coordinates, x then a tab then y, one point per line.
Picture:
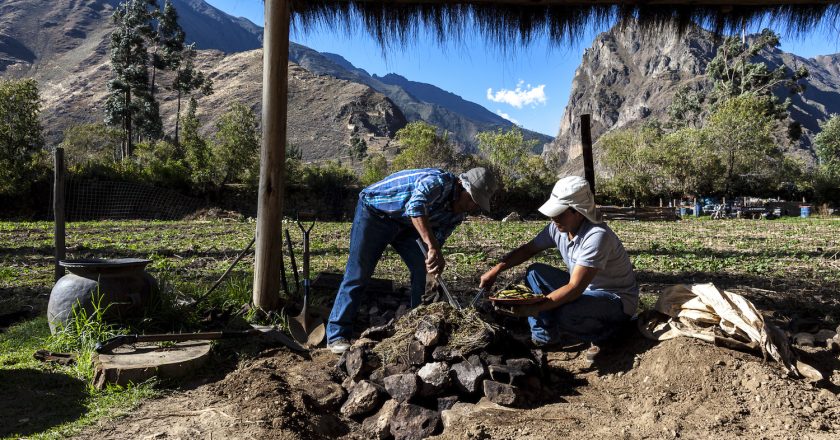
306	256
292	259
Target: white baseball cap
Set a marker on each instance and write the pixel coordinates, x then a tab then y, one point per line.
571	192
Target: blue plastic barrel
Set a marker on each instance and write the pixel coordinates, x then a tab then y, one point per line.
804	211
698	209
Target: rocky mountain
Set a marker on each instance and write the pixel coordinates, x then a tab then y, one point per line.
325	113
626	77
418	101
64	45
37	35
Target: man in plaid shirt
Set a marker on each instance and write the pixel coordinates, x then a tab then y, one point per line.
427	203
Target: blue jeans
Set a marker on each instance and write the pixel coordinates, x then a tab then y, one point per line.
370	234
593	317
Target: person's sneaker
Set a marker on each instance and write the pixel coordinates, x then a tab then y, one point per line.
339	346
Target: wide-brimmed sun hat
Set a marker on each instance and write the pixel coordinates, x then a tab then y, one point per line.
571	192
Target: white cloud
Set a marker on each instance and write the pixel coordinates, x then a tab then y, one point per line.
507	116
521	96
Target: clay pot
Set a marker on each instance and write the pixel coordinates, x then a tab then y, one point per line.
123	284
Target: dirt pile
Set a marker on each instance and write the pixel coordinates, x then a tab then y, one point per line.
680	388
280	396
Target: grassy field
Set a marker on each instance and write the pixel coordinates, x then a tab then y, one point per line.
787	267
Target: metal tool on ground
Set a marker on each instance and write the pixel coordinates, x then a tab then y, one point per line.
227	272
482	292
271	333
306	329
292	261
443	287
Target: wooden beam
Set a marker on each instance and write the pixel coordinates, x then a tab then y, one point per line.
269	250
58	211
586	151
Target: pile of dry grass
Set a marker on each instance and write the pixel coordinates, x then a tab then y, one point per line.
465	331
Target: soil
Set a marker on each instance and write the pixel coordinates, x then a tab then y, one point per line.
679	388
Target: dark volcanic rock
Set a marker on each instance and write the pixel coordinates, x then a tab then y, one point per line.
445	403
364	398
379	424
361	361
412	422
418	353
402	387
468	374
503	394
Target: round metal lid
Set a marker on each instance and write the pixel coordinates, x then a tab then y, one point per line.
95	263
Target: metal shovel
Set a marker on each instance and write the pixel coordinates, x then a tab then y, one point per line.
443	287
305	329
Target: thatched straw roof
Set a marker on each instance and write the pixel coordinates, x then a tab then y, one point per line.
515	22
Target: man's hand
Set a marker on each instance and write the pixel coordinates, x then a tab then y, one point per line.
488	279
434	261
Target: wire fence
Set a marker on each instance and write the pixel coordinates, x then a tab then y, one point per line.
101	200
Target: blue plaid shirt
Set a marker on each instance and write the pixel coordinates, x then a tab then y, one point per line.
414	193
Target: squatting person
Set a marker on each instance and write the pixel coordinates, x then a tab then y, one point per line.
598	293
426	203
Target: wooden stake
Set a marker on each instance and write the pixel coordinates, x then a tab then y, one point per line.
58	211
586	151
269	249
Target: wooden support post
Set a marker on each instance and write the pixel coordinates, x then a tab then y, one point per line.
269	249
586	151
58	211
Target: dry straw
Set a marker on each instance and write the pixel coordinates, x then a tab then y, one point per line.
465	331
510	24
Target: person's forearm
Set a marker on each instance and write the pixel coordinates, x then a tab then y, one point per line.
514	258
421	224
579	280
563	295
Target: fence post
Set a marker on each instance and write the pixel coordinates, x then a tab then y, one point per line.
58	211
269	248
586	151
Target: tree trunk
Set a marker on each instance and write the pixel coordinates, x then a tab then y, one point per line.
178	119
130	138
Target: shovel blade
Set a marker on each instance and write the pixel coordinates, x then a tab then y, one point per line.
307	331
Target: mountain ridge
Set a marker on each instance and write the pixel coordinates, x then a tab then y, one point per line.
621	82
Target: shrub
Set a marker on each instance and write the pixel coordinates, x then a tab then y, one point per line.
21	137
236	146
95	142
161	164
422	147
374	169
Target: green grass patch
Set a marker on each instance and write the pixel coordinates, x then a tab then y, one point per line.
42	401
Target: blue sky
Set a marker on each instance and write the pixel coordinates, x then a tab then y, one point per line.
529	86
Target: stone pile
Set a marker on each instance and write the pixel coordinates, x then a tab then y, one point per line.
826	338
402	375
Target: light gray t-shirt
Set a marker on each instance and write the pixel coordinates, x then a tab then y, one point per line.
596	245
